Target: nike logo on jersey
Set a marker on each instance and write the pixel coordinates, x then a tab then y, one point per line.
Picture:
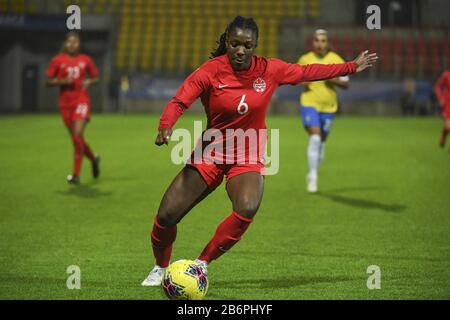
221	86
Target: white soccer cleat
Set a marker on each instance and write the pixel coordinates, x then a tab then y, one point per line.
203	265
155	277
311	184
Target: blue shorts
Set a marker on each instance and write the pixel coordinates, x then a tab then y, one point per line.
312	118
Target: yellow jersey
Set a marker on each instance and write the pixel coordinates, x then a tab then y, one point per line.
319	94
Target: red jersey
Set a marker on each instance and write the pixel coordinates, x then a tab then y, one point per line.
442	89
239	99
77	67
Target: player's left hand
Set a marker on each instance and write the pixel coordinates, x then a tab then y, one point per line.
163	136
365	60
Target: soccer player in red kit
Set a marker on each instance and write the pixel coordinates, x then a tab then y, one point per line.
68	70
442	90
235	87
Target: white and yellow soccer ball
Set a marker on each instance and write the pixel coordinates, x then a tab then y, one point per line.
185	280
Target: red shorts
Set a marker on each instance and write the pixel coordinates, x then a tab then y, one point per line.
213	173
80	110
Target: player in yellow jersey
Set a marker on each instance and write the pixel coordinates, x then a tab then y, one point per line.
318	104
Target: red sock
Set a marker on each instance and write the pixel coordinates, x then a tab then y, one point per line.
162	239
88	152
78	148
228	233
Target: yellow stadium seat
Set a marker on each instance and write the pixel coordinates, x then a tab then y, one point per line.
4	6
18	6
176	35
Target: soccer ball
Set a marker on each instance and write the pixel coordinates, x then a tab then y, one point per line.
185	280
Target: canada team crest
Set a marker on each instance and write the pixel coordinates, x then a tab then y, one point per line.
259	85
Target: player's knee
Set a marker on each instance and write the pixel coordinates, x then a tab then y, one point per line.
447	125
77	140
314	131
167	218
247	208
76	132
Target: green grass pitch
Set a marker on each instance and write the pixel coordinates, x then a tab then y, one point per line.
384	200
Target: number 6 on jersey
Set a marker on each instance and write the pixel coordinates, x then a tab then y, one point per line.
243	106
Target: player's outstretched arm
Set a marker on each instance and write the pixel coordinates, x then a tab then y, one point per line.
287	73
365	60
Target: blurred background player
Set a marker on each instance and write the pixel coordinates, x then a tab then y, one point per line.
442	90
318	104
69	70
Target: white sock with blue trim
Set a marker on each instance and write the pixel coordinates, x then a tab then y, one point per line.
313	154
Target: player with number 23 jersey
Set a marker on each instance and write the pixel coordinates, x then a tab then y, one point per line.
74	73
74	101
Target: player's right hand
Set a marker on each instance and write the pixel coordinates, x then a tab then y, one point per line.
163	137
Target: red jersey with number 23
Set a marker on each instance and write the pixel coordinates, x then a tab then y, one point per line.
239	99
76	67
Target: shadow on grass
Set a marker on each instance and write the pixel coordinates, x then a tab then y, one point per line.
347	256
47	281
84	191
356	189
362	203
280	283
